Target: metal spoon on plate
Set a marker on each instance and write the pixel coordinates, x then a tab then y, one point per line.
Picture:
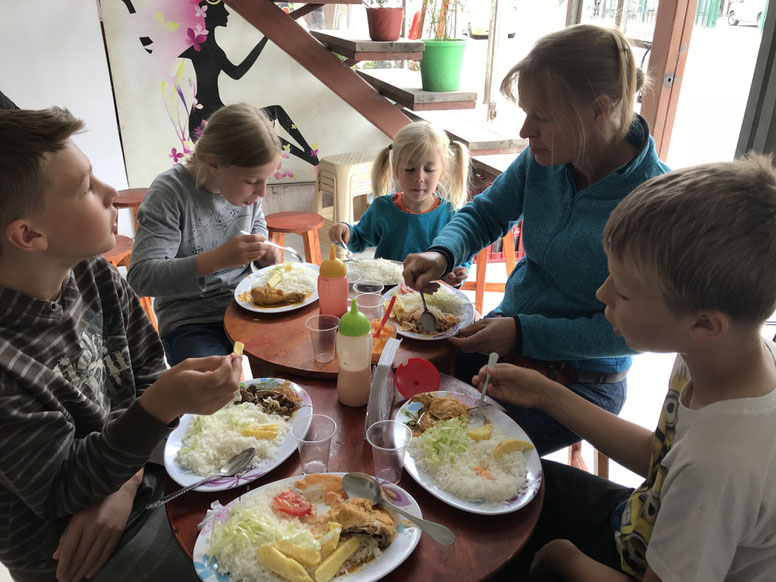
366	486
427	319
233	466
477	418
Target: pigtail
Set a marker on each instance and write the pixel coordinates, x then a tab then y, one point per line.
458	172
629	79
381	172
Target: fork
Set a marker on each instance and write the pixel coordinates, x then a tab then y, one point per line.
294	254
477	418
348	254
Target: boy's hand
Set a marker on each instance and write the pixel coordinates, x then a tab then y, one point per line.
456	276
520	386
195	386
420	269
92	533
491	334
340	233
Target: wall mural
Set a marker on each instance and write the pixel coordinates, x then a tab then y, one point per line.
187	58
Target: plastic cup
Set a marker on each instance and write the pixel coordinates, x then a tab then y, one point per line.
389	440
353	278
313	435
323	333
370	305
368	286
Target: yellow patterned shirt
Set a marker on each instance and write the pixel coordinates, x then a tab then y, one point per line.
642	507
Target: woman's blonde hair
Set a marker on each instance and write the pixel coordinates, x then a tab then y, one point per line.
236	135
420	139
707	234
573	66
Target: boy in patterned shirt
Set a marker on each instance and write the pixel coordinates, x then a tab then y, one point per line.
84	395
691	263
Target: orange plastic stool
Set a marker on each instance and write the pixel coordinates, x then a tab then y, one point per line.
119	256
305	224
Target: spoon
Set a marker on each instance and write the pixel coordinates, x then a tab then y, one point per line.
478	418
294	254
348	254
233	466
366	486
427	319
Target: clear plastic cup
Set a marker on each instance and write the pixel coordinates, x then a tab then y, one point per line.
370	305
368	286
313	435
389	440
323	334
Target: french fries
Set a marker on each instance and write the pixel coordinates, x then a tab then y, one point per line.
238	348
274	560
305	556
266	432
332	563
330	539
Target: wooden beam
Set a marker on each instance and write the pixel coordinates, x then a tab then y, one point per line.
291	38
671	41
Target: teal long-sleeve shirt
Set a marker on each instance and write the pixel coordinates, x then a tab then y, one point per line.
396	233
552	290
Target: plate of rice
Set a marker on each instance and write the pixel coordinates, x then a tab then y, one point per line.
385	271
451	308
489	471
309	525
201	444
279	288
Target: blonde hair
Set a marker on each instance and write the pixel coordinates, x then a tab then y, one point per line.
708	234
571	67
28	138
236	135
419	139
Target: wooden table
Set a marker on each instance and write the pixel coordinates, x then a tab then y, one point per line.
279	343
483	543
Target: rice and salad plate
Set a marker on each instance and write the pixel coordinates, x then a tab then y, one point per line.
201	444
279	288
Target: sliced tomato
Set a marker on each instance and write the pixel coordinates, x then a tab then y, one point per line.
291	503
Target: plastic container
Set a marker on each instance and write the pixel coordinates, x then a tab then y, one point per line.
333	286
354	355
416	376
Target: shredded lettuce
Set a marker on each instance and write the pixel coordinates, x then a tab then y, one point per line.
444	442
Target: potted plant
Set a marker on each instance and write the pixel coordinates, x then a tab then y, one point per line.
384	20
440	68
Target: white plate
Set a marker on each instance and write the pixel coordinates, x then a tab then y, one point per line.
251	280
466	314
512	430
185	477
401	548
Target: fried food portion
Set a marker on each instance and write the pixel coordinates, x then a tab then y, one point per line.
280	399
410	320
356	515
270	297
438	408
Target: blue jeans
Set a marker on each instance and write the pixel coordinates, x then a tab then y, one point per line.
547	434
196	340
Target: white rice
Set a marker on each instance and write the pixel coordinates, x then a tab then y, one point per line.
458	476
294	278
382	270
212	440
242	562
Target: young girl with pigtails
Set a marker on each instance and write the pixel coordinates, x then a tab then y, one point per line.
432	175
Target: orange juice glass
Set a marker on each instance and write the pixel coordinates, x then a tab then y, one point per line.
378	343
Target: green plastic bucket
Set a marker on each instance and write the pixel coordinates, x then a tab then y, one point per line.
440	68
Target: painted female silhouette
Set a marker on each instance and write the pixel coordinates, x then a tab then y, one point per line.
188	29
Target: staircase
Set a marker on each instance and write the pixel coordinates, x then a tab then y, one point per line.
387	98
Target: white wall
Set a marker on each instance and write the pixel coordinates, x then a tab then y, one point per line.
53	55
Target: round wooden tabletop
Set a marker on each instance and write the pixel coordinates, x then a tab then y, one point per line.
483	544
281	342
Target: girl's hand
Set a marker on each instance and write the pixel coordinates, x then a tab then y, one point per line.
340	233
269	255
236	252
520	386
456	276
420	269
491	334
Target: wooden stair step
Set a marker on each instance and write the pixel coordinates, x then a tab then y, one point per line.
356	48
482	138
404	87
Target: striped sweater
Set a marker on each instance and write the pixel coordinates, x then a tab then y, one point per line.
71	430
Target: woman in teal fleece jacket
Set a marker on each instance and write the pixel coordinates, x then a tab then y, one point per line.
587	151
